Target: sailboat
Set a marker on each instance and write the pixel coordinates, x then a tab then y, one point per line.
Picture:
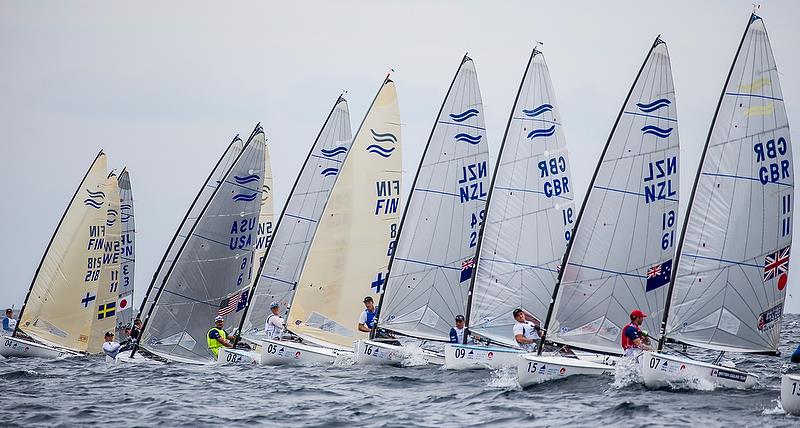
66	296
729	285
620	255
349	253
529	218
432	263
293	234
109	286
124	310
211	273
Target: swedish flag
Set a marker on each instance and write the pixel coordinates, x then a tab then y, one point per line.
107	310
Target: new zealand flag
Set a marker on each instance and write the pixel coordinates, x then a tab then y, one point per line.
466	269
658	275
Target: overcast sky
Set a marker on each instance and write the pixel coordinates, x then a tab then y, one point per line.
162	87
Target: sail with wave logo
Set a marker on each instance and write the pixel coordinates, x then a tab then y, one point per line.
213	268
529	214
431	269
349	254
108	286
62	301
621	254
207	189
733	262
127	250
298	221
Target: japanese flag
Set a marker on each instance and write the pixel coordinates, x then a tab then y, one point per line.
124	303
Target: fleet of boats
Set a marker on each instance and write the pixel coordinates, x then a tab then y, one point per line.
470	241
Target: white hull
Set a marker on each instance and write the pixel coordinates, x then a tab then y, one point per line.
659	370
16	347
278	353
374	352
238	356
124	357
534	369
790	393
466	357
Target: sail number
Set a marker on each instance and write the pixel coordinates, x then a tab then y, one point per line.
795	389
233	358
368	350
271	348
566	214
475	225
532	366
668	229
460	352
778	169
654	362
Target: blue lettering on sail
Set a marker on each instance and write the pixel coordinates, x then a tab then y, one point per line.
388	197
658	180
777	168
471	182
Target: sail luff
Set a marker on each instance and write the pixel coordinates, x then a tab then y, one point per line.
128	256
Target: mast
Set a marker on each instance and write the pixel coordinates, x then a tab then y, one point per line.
663	333
263	261
49	244
489	196
177	232
564	260
183	245
410	195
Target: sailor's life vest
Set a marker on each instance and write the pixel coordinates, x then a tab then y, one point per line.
627	342
214	344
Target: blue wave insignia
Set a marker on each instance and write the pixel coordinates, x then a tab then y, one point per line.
111	217
545	132
327	172
472	139
653	106
95	199
380	150
246	179
465	115
125	217
658	132
331	153
538	110
245	197
387	137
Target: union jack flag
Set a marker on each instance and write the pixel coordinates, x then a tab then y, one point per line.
776	263
466	269
654	271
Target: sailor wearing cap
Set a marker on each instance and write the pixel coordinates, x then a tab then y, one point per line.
110	347
274	326
457	332
217	338
634	339
367	320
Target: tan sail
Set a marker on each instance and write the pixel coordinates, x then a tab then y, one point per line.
62	301
350	252
105	317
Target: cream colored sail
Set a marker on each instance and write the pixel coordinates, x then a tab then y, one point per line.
108	287
61	303
350	252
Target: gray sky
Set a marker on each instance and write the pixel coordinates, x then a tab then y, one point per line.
162	87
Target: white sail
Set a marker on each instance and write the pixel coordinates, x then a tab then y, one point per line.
349	255
529	215
730	282
125	310
211	273
431	269
62	301
622	250
108	287
265	218
182	233
299	220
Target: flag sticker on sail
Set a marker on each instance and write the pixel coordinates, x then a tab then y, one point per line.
235	302
123	303
658	275
107	310
94	199
767	318
88	299
777	264
466	269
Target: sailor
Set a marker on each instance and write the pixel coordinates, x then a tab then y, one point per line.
634	339
525	332
274	326
367	320
796	355
137	328
217	337
457	332
9	323
110	347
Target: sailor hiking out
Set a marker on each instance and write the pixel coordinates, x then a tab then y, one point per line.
274	325
634	339
526	333
217	337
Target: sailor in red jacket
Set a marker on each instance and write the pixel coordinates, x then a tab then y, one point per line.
634	340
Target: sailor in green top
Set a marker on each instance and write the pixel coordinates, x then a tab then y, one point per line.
217	338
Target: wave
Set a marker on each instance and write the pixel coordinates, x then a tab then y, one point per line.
126	207
336	151
545	132
329	171
385	137
97	194
381	151
465	115
653	106
538	110
93	203
125	217
472	139
246	179
658	132
245	197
